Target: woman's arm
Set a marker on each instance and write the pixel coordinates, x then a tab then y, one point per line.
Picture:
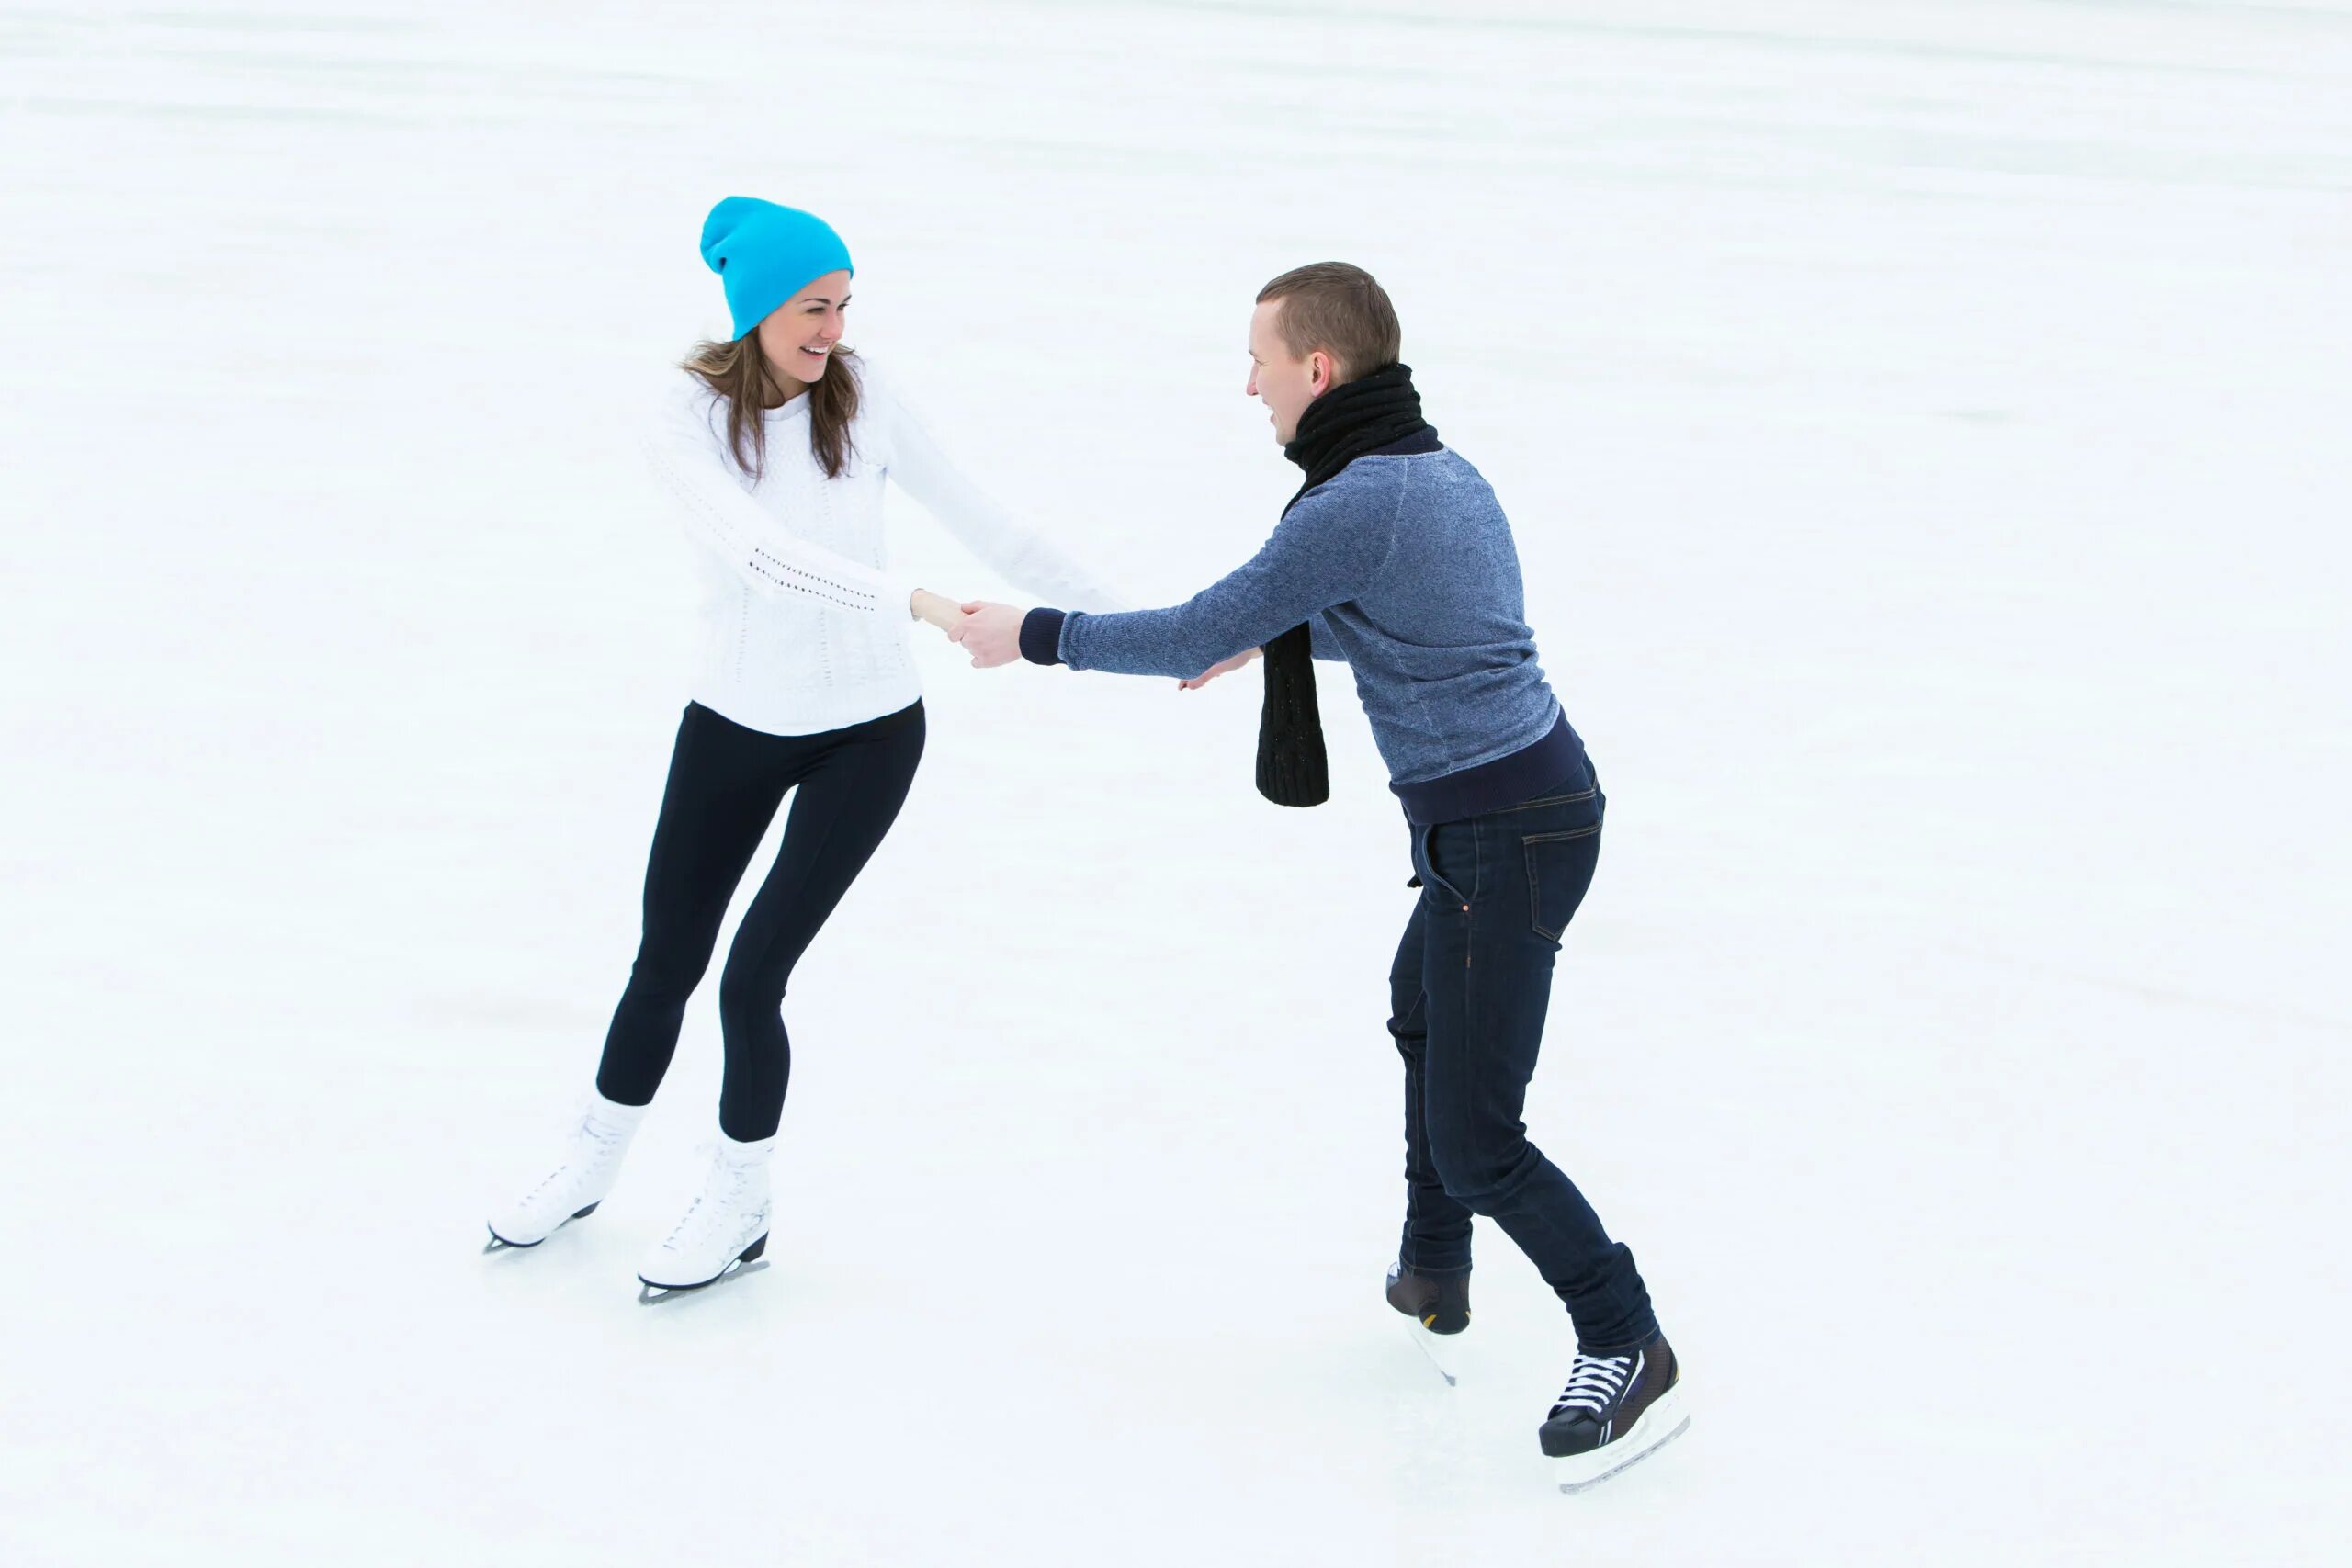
1023	555
686	456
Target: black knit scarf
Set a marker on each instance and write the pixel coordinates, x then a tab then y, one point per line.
1341	425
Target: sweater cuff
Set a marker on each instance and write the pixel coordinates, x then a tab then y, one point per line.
1041	635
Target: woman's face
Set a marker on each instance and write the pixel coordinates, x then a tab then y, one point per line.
798	335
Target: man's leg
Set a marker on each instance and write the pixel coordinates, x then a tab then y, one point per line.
1437	1229
1503	890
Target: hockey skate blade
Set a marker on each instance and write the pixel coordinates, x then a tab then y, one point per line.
1441	1359
1581	1471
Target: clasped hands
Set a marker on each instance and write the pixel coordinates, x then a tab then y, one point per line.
991	634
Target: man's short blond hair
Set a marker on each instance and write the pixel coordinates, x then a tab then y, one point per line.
1340	309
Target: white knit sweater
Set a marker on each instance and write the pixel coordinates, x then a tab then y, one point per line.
804	626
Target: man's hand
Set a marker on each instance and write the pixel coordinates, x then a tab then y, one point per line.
1228	668
989	633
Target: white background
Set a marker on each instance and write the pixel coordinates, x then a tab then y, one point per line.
1923	430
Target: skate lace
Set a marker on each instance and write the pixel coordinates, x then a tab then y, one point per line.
1595	1383
581	1127
722	1190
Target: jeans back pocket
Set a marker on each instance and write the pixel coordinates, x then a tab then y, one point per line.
1559	869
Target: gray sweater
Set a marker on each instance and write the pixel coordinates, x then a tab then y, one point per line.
1402	565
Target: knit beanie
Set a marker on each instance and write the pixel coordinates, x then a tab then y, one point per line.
765	254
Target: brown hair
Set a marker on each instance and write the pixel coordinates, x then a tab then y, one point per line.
1341	310
739	373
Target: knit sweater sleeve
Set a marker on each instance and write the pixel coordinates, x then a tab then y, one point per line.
686	450
1326	552
1016	551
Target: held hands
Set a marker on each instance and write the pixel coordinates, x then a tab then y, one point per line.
989	633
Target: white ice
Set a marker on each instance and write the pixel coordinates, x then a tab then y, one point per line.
1925	431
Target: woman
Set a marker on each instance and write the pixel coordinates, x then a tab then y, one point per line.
775	446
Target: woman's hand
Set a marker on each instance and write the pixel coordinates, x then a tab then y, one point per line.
1213	671
939	610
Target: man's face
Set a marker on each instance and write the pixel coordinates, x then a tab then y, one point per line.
1284	383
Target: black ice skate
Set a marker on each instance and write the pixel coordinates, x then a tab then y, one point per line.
1616	1409
1441	1306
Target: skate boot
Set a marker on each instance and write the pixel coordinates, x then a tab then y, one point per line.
583	1174
1443	1305
1616	1409
725	1226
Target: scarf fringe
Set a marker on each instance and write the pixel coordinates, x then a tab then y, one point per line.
1293	767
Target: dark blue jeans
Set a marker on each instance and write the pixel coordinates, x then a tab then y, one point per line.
1468	993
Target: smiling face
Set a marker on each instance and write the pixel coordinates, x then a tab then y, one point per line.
1282	381
797	336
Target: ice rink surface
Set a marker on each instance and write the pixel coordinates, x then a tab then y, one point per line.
1924	426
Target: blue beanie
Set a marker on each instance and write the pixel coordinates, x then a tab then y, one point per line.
766	254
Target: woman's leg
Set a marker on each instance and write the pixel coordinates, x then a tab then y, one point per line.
724	784
847	799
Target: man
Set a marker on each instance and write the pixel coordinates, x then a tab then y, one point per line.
1395	558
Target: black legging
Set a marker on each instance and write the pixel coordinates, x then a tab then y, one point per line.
725	784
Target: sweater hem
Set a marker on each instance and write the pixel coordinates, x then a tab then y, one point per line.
773	717
1490	786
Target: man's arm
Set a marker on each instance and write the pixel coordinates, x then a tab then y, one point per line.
1318	631
1324	553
